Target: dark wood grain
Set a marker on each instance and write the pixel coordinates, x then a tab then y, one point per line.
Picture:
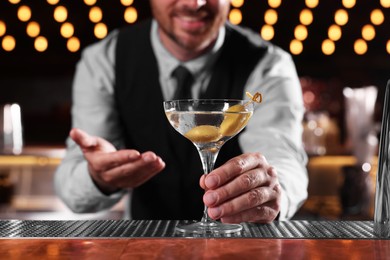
185	248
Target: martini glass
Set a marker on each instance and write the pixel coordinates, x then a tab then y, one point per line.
208	124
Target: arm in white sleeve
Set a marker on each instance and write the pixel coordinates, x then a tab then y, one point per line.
275	129
93	111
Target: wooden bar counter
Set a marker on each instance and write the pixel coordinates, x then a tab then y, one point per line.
113	239
197	248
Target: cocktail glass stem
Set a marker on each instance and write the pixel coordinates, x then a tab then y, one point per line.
208	157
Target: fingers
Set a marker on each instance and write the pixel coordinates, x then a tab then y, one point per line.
234	168
244	189
123	171
89	143
83	139
259	205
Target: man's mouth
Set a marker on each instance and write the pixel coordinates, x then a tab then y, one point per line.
192	22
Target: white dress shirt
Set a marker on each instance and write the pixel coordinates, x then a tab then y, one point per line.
275	128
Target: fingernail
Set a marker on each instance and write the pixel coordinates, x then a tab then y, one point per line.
215	213
210	198
211	181
149	158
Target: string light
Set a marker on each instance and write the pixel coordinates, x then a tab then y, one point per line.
53	2
296	47
73	44
3	28
377	17
271	17
311	3
274	3
300	32
67	30
95	14
267	32
100	30
328	47
90	2
237	3
235	16
24	13
349	3
306	17
388	46
14	1
341	17
385	3
8	43
127	2
60	14
33	29
334	32
41	44
130	15
368	32
360	47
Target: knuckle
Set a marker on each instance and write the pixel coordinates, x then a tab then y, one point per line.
248	181
239	164
255	197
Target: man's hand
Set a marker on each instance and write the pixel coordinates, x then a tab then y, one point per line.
111	169
244	189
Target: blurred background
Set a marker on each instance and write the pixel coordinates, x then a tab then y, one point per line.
342	53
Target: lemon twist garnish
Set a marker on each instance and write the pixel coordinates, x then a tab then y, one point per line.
257	97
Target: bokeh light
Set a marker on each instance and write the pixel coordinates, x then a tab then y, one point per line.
8	43
235	16
328	47
33	29
360	46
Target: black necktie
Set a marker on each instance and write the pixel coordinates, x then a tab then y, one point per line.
184	82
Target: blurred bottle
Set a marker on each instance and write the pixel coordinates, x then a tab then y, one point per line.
11	133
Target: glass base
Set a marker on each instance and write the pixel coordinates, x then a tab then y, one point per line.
208	228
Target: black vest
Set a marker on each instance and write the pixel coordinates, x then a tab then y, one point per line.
174	193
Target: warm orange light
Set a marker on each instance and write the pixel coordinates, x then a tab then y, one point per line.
235	16
90	2
334	32
53	2
24	13
388	46
300	32
328	47
41	44
14	1
306	17
274	3
67	30
296	47
349	3
8	43
95	14
3	28
237	3
271	17
131	15
33	29
368	32
341	17
100	30
385	3
311	3
267	32
73	44
377	17
360	47
127	2
60	14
